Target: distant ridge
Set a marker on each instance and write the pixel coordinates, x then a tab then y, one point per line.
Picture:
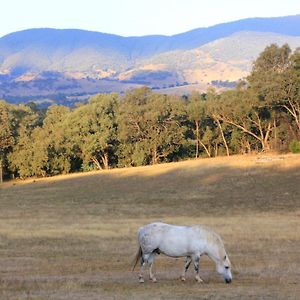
289	25
146	45
154	60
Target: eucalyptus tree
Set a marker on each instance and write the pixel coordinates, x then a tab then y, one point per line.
91	131
54	139
243	110
151	127
27	157
291	98
275	81
212	101
132	150
165	118
197	114
6	134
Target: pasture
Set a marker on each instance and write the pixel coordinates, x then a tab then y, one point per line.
74	237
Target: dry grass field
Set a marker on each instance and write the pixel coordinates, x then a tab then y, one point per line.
74	237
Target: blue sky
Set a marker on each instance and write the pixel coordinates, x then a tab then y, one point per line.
135	17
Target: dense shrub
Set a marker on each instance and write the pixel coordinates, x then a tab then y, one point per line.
294	146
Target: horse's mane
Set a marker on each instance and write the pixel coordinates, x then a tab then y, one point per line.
211	237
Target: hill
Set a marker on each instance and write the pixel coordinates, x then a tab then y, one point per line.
225	59
76	235
57	50
223	52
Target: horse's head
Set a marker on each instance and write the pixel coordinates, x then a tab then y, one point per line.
224	268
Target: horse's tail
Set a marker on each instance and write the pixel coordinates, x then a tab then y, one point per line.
137	257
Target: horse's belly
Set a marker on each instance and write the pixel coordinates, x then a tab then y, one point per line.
175	252
174	248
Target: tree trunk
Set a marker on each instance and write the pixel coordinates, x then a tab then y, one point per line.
206	149
223	137
262	138
294	109
96	162
1	171
197	138
216	149
275	135
154	157
248	146
105	161
265	138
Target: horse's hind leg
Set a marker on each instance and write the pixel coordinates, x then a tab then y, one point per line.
196	266
141	275
147	258
186	266
151	263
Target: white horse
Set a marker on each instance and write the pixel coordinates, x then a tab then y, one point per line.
181	241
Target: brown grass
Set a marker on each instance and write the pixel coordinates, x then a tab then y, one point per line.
74	237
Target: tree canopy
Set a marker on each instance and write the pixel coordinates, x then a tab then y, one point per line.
142	127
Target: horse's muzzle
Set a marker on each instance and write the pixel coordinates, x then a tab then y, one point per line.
228	280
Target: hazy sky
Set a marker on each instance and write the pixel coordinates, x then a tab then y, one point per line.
135	17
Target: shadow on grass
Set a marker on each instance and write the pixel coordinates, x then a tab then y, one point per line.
182	189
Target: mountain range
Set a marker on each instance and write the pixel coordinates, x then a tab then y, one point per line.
69	64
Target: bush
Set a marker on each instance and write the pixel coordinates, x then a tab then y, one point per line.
294	146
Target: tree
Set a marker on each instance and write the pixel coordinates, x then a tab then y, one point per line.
27	156
59	155
91	131
131	128
211	96
164	124
150	127
275	80
273	59
6	134
197	114
244	111
291	96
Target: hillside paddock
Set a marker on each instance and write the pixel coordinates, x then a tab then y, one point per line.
74	237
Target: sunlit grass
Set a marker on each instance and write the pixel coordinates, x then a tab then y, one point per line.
74	237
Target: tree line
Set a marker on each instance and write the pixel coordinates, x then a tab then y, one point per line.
143	127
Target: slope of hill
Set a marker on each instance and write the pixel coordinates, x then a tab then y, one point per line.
229	58
75	235
59	50
221	52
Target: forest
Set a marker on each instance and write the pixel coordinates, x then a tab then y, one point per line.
142	127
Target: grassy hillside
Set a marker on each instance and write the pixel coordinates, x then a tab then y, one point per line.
229	58
226	59
74	237
60	49
223	52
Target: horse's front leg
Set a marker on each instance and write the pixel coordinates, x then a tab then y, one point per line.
188	261
196	266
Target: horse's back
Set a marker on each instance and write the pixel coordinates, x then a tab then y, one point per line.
160	228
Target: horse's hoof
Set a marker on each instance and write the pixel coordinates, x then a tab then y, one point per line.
198	279
141	280
182	278
154	280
